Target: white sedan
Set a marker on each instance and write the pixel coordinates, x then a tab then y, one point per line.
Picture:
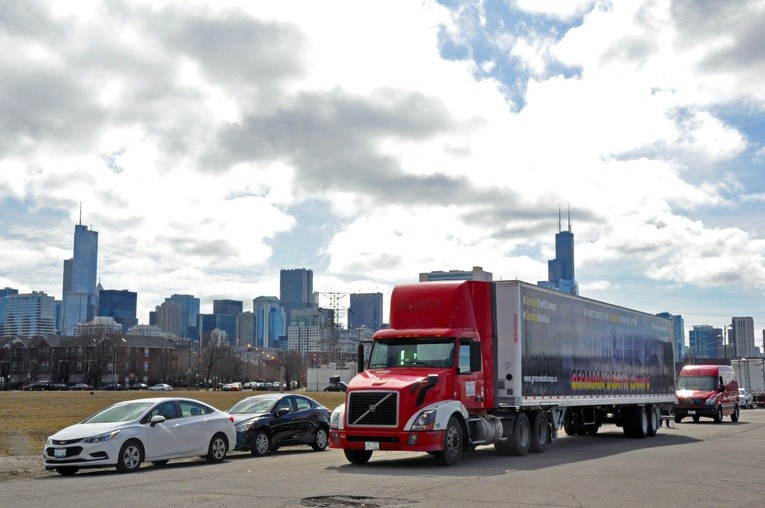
130	432
161	387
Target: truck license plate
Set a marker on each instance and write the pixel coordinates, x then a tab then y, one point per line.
59	453
368	445
691	412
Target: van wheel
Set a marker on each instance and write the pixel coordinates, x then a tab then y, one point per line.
678	418
718	415
734	416
695	419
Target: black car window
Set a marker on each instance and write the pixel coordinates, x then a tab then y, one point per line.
284	403
302	403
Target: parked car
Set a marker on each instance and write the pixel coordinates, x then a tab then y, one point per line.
266	422
745	399
160	387
232	387
128	433
82	386
114	387
38	386
139	386
336	387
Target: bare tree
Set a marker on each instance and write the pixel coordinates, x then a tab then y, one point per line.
212	356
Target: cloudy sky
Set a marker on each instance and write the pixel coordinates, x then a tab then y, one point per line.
212	144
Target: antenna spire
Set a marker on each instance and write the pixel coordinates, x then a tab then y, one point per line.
80	213
559	229
569	218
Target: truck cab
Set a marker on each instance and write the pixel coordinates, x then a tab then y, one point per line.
709	391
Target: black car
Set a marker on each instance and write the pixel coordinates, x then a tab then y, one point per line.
336	387
266	422
114	387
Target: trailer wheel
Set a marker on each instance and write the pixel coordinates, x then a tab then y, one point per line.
540	434
521	439
654	421
452	452
358	456
635	422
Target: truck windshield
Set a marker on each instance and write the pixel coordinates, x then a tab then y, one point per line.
706	383
422	351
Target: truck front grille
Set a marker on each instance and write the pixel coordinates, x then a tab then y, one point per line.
373	409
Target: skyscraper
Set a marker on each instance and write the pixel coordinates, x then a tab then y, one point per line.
120	305
560	271
366	310
295	290
189	306
28	315
679	334
741	337
80	300
269	321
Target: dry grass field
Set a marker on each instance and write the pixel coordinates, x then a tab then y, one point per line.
28	418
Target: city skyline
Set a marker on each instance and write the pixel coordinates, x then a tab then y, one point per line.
212	145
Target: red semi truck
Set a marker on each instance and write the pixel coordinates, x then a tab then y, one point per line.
471	363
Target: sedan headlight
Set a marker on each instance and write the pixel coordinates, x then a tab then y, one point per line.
425	420
243	426
101	438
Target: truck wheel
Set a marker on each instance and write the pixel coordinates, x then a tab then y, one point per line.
734	416
539	433
358	456
654	421
718	415
452	452
521	440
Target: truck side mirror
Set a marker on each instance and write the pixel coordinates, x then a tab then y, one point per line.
475	357
360	358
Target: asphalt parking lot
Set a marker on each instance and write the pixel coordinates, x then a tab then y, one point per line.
691	464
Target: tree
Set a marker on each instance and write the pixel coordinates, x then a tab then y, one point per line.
212	356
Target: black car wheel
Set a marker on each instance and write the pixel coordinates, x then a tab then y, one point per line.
320	440
261	443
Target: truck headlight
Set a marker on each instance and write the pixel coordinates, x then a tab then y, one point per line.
336	419
425	420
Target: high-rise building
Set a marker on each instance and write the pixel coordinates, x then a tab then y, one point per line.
3	293
560	271
741	337
705	341
228	307
209	323
121	305
189	306
270	324
296	290
169	318
309	331
80	300
29	315
366	309
679	335
245	329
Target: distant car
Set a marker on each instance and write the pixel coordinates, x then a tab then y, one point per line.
130	432
139	386
114	387
39	386
745	399
336	387
266	422
160	387
82	386
232	387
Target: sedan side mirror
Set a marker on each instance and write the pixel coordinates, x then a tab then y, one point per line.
156	419
282	411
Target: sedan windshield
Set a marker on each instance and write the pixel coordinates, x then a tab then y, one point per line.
256	405
120	413
421	351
